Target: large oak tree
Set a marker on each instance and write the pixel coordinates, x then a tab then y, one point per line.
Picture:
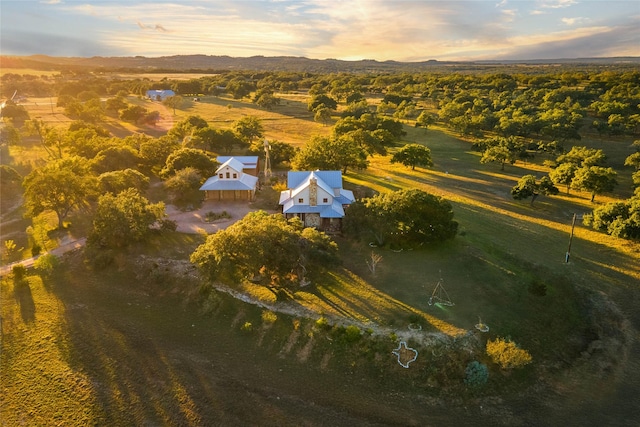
60	186
406	217
280	251
413	155
123	219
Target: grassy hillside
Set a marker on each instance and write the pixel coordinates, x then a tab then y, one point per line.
135	344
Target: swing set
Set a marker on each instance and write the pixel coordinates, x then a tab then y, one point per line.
440	296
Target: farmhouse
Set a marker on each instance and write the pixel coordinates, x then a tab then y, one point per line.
160	94
317	198
235	179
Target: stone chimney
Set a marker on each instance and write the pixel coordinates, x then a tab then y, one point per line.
313	192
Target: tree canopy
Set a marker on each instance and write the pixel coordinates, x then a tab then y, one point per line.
60	186
564	174
595	179
330	154
280	251
405	217
527	187
412	155
502	150
583	156
123	219
120	180
189	157
619	219
248	128
173	102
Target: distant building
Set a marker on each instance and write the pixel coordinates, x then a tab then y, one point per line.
235	179
160	94
317	198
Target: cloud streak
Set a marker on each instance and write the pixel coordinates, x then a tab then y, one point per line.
357	29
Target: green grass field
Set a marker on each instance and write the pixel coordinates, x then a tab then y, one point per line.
126	346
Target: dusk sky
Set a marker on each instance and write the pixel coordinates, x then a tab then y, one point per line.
348	29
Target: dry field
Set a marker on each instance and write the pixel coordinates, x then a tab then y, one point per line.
127	346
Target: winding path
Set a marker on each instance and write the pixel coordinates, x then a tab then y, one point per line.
60	250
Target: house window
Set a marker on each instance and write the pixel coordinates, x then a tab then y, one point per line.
300	200
221	176
228	175
325	200
235	176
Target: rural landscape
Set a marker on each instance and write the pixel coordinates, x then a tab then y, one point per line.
486	272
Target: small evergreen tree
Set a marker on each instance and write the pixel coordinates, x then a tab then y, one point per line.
476	374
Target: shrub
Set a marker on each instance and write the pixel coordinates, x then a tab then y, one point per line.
46	263
322	323
269	317
414	318
476	374
247	327
352	333
168	225
214	216
99	258
19	272
507	354
537	288
36	249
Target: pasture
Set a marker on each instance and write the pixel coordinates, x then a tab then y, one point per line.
135	344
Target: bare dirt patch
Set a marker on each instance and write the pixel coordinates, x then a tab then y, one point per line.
194	221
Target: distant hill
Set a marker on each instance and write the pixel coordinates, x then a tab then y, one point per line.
205	63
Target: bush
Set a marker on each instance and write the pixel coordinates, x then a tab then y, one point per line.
322	323
537	288
168	225
19	272
36	249
214	216
99	258
352	333
46	263
476	374
269	317
247	327
507	354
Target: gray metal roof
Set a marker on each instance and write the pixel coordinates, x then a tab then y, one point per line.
248	162
332	178
246	182
334	210
233	163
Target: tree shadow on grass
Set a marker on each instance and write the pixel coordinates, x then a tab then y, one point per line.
22	294
151	363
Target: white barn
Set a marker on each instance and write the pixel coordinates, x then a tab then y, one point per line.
235	179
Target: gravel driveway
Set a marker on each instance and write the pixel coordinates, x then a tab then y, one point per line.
194	221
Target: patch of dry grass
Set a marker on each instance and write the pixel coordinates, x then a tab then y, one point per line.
39	385
289	122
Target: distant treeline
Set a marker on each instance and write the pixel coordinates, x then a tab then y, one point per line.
214	64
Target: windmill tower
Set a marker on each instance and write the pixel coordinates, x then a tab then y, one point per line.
267	160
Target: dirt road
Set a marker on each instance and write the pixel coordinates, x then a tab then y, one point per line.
60	250
191	222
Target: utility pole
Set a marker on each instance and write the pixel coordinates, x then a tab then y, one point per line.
573	226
